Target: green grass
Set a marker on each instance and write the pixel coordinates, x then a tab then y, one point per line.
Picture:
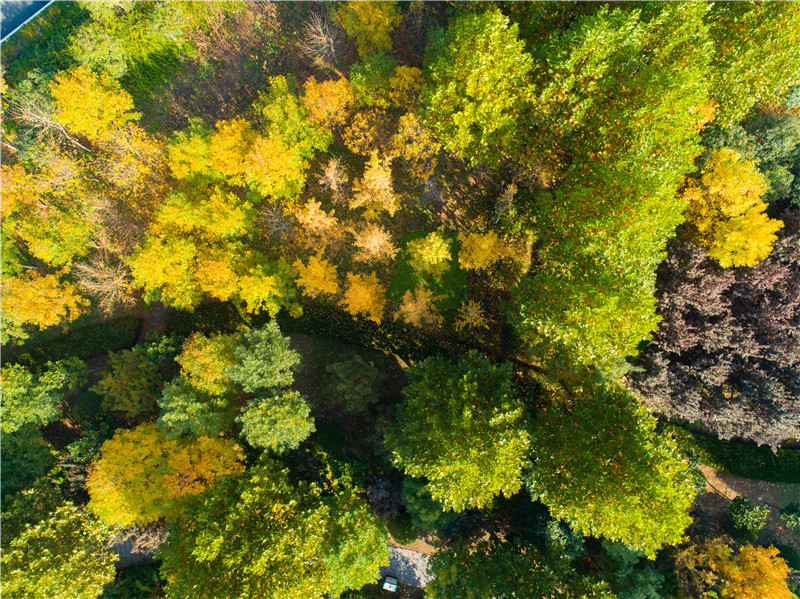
756	462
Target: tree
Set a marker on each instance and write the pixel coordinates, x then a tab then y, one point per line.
321	228
478	75
374	243
462	429
319	276
426	512
414	144
370	24
367	132
93	106
328	102
470	314
493	568
142	476
479	250
41	300
404	87
279	422
753	62
30	398
375	191
430	255
64	555
601	232
600	466
26	458
364	295
186	408
205	361
281	540
130	385
713	569
726	211
263	360
417	308
725	352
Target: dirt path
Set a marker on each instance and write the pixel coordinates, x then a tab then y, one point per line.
721	488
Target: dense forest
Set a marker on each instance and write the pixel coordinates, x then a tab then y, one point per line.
515	285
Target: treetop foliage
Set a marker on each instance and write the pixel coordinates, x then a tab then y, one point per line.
463	429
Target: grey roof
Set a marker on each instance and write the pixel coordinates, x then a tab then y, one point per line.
409	567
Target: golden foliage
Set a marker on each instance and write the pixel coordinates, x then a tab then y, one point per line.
205	360
726	212
470	314
417	308
404	86
142	476
479	250
370	24
230	146
430	254
365	296
214	211
328	102
94	106
366	134
318	276
319	226
40	300
334	178
374	244
273	168
414	143
375	191
713	570
215	273
165	266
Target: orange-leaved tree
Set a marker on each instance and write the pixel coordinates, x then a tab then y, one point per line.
365	296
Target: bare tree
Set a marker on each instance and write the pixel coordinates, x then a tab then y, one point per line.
321	41
109	283
37	113
277	224
334	178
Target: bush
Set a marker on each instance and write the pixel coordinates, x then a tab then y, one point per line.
790	515
746	519
136	582
425	511
402	529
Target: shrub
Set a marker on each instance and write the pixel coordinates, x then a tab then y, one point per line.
790	514
402	529
425	511
746	519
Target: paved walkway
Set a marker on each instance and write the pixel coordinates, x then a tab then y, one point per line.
409	567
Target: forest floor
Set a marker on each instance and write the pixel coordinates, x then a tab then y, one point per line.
722	488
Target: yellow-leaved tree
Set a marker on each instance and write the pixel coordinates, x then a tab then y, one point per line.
726	213
205	361
93	106
430	254
404	86
142	476
318	276
415	144
40	300
479	250
417	308
321	228
374	243
470	314
375	191
328	102
369	24
364	296
713	569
